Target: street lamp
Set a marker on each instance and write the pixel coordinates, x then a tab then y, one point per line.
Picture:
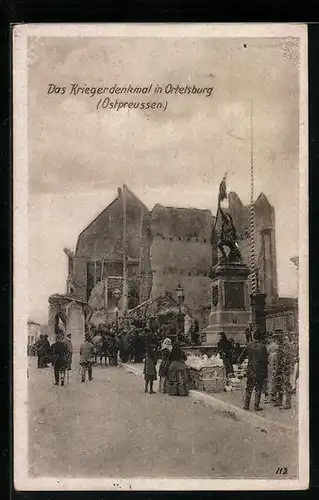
117	295
180	295
180	299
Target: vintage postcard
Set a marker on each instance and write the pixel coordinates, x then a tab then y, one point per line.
160	257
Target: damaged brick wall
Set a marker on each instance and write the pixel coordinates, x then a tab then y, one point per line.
181	252
100	245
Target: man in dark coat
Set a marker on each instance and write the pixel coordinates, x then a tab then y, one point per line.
46	349
113	347
257	355
139	347
59	359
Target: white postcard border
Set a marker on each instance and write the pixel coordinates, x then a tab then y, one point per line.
20	253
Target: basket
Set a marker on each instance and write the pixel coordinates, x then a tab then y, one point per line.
208	379
211	371
212	384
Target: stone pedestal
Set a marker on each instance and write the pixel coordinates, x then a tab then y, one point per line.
72	311
230	304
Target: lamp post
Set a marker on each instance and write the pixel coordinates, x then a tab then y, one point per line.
116	294
180	299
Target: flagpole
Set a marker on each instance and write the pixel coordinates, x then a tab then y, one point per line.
252	209
124	250
141	272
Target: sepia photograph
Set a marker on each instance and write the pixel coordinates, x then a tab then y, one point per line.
160	217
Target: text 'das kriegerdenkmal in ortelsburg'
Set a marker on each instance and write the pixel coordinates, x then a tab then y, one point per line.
108	95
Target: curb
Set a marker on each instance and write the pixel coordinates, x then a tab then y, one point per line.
219	405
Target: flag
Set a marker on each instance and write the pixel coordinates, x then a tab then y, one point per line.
222	189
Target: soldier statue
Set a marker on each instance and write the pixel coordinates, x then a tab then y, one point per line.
228	234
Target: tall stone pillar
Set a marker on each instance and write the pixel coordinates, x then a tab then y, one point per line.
56	307
75	324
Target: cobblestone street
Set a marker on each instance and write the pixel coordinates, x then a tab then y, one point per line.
109	428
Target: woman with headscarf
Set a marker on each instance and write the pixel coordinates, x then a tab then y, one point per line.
166	349
177	373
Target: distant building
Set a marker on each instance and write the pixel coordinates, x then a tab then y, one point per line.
34	331
265	241
283	316
165	246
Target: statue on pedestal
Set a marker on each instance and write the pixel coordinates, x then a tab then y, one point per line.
228	234
230	308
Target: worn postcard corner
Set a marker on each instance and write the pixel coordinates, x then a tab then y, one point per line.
160	257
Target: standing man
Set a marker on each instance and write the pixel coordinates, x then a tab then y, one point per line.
124	352
46	350
284	371
257	355
272	349
248	335
87	357
59	356
40	348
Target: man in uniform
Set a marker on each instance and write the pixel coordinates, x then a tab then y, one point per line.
228	238
284	370
87	357
59	359
257	355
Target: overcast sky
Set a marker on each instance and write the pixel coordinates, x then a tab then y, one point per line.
78	156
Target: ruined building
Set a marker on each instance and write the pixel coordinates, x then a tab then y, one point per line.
98	259
165	247
182	253
265	241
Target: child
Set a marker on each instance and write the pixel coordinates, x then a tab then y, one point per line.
163	369
150	369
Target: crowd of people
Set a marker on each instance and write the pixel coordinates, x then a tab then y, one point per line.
126	341
272	360
138	342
